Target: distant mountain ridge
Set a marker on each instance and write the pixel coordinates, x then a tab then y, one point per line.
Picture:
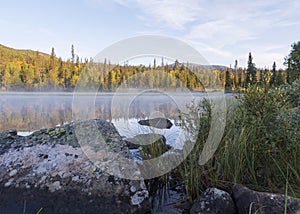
194	65
217	67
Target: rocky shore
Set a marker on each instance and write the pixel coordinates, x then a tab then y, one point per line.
53	171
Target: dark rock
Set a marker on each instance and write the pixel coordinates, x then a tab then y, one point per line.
151	145
61	170
161	123
249	201
155	149
144	140
213	201
9	139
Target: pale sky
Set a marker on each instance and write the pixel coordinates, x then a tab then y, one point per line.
221	31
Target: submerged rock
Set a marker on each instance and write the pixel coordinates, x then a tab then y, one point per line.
65	170
144	140
161	123
249	201
150	145
213	201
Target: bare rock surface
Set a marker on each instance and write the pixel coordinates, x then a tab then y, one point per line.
57	170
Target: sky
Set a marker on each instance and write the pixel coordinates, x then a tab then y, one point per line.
221	31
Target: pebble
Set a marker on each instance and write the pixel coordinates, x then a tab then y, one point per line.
8	183
139	197
54	174
13	172
132	189
54	186
75	178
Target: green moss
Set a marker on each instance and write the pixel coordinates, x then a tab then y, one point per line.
57	131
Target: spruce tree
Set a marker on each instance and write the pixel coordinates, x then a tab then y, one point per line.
72	54
251	72
273	78
228	85
235	74
279	79
293	63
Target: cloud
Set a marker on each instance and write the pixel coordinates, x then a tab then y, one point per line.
220	33
265	60
174	14
208	48
236	28
225	30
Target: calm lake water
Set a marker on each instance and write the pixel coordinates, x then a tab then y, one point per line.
33	111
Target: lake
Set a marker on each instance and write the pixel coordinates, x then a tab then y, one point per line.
28	112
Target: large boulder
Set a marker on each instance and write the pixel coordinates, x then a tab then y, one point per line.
213	201
249	201
161	123
56	171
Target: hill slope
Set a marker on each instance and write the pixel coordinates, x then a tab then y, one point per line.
8	54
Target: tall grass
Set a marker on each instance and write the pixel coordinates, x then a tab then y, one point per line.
261	141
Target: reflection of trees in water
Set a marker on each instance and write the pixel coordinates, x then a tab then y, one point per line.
28	113
139	107
137	110
145	109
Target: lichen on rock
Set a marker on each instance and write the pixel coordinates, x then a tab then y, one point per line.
56	176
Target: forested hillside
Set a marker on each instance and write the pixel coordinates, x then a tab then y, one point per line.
27	69
36	71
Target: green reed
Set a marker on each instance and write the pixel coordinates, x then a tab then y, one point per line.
261	141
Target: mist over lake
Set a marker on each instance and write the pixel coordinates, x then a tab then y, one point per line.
33	111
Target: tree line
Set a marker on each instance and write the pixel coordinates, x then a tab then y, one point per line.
239	79
36	71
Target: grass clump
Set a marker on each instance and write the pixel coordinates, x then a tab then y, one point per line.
260	144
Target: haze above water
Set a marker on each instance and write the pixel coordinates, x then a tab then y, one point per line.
31	111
